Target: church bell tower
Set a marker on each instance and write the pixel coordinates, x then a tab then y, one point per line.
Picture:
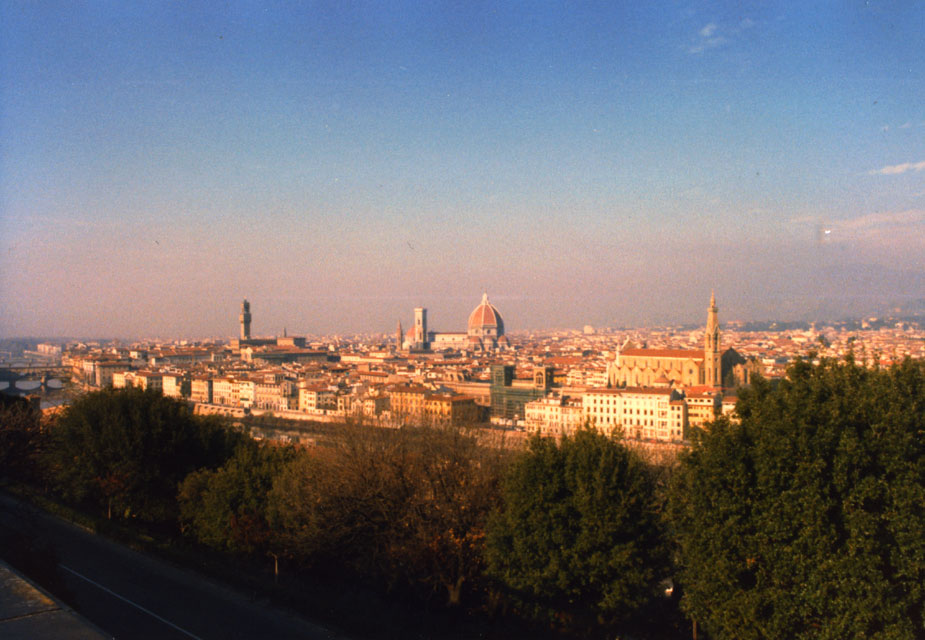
420	328
712	368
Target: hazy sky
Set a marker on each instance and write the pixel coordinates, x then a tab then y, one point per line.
339	163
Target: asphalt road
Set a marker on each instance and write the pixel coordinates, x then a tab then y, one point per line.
129	595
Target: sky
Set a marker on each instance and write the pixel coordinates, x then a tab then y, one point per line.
340	163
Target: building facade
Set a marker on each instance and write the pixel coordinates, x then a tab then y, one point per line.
711	367
554	416
509	395
636	412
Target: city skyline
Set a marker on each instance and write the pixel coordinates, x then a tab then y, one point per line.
337	166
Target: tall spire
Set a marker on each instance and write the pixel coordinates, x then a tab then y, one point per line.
711	356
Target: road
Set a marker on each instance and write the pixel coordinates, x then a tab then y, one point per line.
133	596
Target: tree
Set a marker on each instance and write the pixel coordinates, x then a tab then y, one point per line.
806	520
21	437
441	536
399	508
579	536
127	450
225	508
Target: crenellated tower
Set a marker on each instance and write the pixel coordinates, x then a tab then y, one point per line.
245	319
712	368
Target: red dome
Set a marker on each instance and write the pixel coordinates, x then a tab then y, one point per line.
486	316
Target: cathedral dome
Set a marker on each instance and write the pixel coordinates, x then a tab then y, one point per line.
486	316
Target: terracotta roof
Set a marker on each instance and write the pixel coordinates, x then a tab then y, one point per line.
647	391
442	397
664	353
409	388
486	315
700	388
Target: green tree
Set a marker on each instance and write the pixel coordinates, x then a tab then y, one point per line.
225	508
579	536
21	438
127	450
805	520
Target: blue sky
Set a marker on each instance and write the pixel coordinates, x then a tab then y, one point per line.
340	163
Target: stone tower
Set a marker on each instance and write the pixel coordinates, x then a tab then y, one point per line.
245	319
712	369
420	328
400	337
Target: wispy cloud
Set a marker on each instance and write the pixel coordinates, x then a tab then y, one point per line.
913	219
713	35
902	231
707	38
908	124
896	169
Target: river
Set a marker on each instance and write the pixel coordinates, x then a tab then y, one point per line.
53	395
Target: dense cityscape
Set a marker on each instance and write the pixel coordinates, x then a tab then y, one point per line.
454	320
316	451
646	384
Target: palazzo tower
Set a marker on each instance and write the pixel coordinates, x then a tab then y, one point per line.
245	319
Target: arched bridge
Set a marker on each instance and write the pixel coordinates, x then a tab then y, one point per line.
35	372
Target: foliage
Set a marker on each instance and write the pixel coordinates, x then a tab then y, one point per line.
806	520
127	450
579	537
442	532
401	507
21	438
225	508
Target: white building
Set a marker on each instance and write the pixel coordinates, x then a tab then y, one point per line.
553	416
224	391
246	391
654	414
173	384
657	414
122	379
316	398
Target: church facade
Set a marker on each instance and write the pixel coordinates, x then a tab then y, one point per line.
711	367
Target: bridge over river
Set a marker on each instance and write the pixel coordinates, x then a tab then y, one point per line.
34	373
48	382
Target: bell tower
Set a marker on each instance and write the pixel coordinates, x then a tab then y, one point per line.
245	319
712	368
420	328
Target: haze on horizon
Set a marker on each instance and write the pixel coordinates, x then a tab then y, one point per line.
583	163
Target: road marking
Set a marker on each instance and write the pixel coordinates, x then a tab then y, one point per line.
127	601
